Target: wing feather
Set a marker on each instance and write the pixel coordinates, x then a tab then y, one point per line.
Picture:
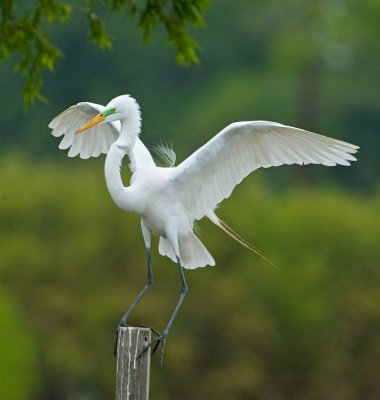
75	146
210	174
86	145
97	140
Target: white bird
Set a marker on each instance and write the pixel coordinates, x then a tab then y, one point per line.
169	200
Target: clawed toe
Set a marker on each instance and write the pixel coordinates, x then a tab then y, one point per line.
157	333
154	345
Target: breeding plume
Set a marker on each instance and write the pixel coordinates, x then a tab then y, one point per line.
169	200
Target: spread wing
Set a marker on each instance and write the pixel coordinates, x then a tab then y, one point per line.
210	174
97	139
92	144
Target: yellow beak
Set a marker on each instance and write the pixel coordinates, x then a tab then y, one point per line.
94	121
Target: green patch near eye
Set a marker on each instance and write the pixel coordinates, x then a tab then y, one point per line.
109	111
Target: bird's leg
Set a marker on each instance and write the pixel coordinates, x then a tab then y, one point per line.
162	338
148	284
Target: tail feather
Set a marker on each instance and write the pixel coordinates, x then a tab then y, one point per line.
230	232
165	249
192	252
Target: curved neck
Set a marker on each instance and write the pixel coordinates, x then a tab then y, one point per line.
129	132
124	197
112	167
122	146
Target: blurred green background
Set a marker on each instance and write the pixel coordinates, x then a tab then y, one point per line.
71	262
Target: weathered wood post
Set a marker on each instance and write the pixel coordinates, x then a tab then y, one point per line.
132	373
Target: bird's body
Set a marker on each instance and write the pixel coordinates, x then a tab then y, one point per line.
169	200
155	199
148	195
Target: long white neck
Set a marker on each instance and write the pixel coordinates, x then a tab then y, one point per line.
129	132
125	197
112	167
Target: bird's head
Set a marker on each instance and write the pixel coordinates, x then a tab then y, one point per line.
121	108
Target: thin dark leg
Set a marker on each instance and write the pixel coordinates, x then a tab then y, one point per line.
162	338
148	284
182	295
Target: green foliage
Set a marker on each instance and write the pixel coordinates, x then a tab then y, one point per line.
24	34
97	31
27	33
18	366
174	17
72	262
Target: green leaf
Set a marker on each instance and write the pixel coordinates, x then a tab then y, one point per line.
26	34
97	31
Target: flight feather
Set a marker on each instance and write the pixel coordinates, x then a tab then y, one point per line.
210	174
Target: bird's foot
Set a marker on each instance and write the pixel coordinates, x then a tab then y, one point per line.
123	324
154	345
156	332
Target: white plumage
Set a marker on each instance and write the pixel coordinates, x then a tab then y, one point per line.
67	123
242	147
204	179
169	200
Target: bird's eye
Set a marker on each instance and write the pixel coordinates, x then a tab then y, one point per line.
113	109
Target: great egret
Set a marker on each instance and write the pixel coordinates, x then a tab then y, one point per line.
169	200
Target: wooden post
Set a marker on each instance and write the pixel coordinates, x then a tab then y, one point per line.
132	374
